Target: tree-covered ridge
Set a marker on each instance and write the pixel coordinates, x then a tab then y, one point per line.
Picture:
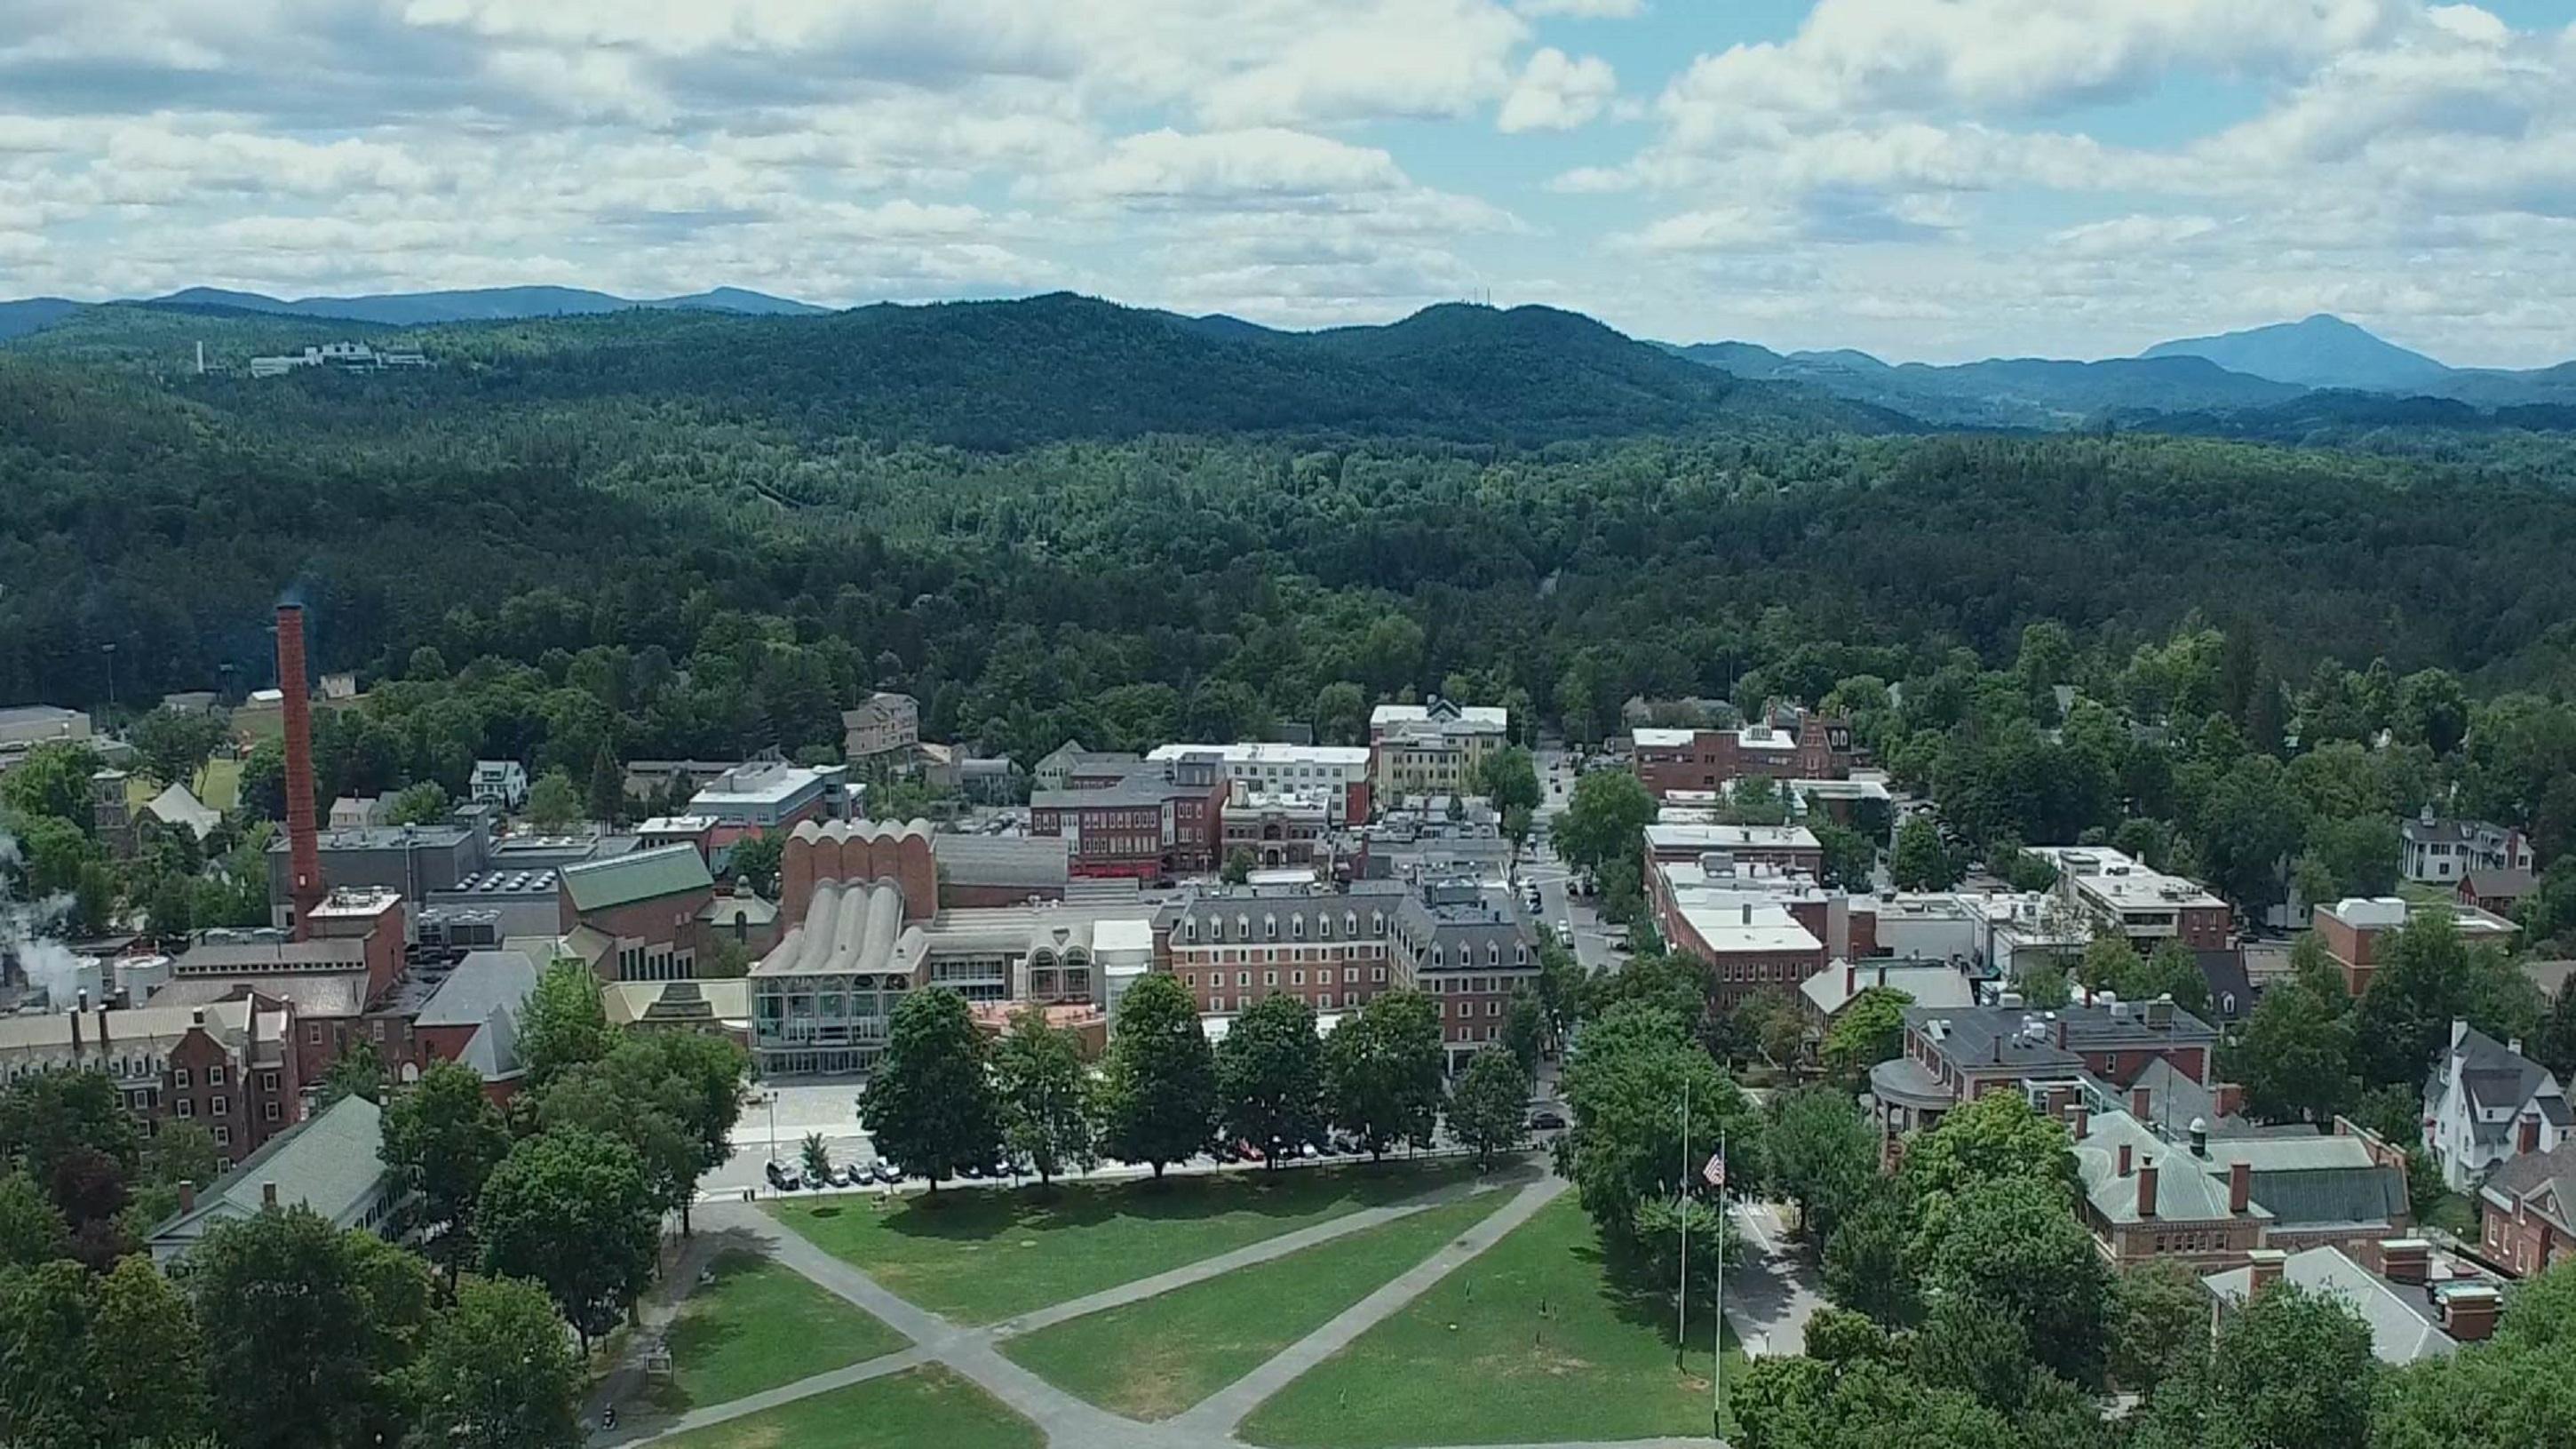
1117	589
1012	374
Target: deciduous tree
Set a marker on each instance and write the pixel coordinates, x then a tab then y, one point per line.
930	1104
1604	822
1823	1157
1487	1104
497	1374
1920	860
442	1138
1159	1096
1626	1085
571	1212
564	1023
1270	1076
1382	1071
1046	1101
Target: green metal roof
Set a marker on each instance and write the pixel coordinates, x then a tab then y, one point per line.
641	875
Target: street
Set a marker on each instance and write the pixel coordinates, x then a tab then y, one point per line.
1540	867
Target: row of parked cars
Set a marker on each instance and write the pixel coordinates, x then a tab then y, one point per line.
790	1176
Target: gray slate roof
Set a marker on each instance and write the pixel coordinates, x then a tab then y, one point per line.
2401	1331
484	983
329	1163
2496	1077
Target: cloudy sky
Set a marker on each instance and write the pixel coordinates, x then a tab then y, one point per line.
1924	178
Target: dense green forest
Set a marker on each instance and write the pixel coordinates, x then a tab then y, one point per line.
664	534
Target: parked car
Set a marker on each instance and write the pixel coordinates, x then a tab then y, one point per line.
845	1175
1545	1120
972	1169
791	1178
885	1172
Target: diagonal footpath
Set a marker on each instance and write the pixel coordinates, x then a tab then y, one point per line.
1243	1257
1219	1413
1069	1422
804	1388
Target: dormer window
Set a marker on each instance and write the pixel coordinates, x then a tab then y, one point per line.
1270	928
1297	927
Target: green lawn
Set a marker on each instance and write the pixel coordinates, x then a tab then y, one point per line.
1527	1343
926	1405
1154	1358
759	1325
2455	1214
980	1255
222	788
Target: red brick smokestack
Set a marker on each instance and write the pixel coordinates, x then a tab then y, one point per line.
304	858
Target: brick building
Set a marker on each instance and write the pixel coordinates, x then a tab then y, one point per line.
226	1066
2357	929
1154	821
2528	1211
1464	943
648	902
1233	945
1813	747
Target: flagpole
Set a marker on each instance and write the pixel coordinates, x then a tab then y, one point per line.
1717	1336
1681	1214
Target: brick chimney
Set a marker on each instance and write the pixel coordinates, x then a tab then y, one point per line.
2526	1134
2263	1270
2079	1121
2405	1260
187	1197
2058	1099
2240	1187
2141	1102
2228	1098
2146	1189
304	857
1851	981
2125	1151
2469	1311
78	1012
268	1194
102	1026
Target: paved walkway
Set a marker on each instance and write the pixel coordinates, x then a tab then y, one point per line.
1769	1300
1069	1422
1220	1412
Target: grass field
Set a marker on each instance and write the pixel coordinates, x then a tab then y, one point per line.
1528	1343
759	1325
2456	1214
1154	1358
222	789
927	1405
982	1255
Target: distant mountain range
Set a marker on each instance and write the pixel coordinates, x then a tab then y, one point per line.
2266	370
1567	373
485	304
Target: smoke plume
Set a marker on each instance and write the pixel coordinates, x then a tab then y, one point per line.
30	932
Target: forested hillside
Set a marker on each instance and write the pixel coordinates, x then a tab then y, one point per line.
1013	374
644	483
667	535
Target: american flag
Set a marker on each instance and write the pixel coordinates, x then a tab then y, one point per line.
1715	1172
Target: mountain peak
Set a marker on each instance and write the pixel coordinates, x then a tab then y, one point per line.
2321	350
